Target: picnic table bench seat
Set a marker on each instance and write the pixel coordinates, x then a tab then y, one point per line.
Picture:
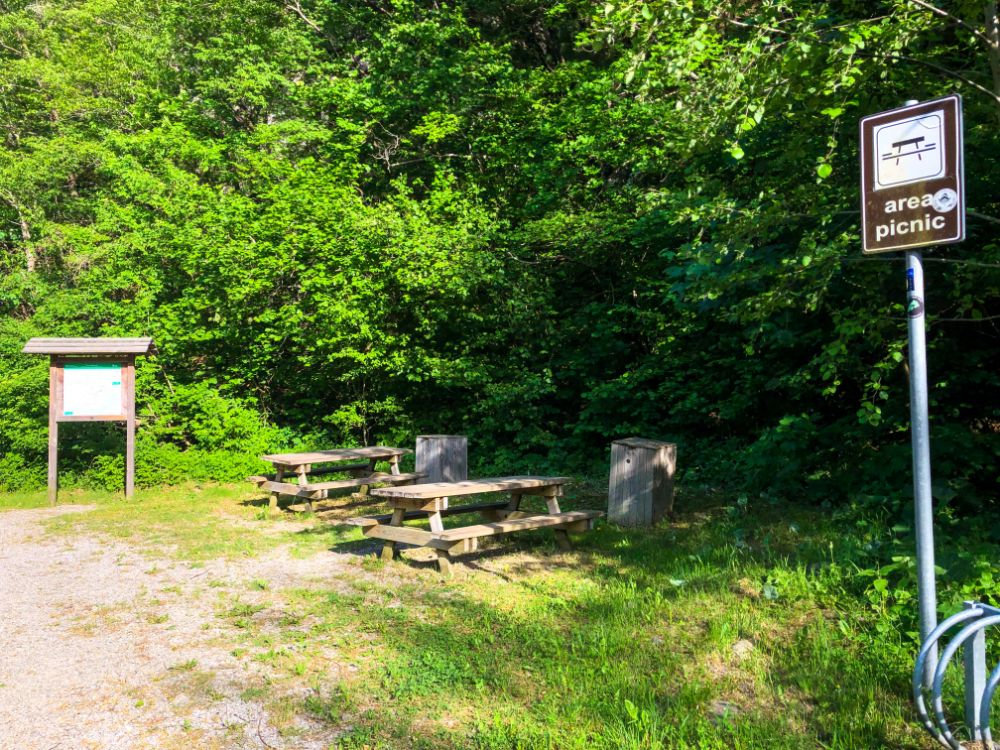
431	501
318	471
320	490
303	466
565	519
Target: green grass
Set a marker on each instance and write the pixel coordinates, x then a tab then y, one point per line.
40	498
193	523
731	626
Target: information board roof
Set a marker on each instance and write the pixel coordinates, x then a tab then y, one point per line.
142	345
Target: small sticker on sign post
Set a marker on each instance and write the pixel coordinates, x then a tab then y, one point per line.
944	200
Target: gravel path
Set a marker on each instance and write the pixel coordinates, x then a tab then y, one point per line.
98	646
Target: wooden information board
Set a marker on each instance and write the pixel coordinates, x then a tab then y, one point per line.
91	380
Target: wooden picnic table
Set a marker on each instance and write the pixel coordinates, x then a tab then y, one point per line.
361	468
431	501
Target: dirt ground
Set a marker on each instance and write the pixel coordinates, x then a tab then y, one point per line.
102	648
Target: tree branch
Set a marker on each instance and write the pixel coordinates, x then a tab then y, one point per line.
429	157
983	217
954	19
993	40
295	6
941	69
752	26
18	53
22	220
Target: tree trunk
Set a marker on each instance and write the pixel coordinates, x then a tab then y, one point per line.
993	34
29	252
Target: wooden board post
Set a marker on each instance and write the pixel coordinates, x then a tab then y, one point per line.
641	485
54	374
91	380
444	458
128	395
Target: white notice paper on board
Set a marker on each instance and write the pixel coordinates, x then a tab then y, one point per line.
92	391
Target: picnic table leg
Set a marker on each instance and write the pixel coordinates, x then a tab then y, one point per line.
389	548
444	562
363	489
562	536
493	514
394	465
435	521
562	540
303	472
279	474
443	558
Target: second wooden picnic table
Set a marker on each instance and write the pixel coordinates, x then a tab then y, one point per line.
361	468
431	501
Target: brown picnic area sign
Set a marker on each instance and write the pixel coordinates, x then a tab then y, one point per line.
912	176
91	380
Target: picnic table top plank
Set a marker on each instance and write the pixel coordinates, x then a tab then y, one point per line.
470	487
338	454
378	476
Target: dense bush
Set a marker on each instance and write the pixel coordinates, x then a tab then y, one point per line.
543	224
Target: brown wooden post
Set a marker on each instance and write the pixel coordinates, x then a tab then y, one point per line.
128	398
54	400
279	475
389	548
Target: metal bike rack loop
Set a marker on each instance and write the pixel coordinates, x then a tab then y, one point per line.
975	619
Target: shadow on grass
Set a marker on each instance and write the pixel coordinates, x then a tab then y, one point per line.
566	664
255	502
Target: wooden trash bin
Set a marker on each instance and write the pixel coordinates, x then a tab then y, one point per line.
641	486
443	458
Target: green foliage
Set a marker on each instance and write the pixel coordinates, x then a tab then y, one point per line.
546	225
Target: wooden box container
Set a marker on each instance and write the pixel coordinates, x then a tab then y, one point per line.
641	487
444	458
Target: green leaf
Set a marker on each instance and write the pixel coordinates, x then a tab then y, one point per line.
824	170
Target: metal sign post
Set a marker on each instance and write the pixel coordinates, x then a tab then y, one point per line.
913	196
912	188
921	442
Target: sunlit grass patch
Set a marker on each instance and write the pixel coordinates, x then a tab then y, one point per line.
40	498
194	523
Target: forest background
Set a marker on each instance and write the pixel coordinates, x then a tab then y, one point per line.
542	224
